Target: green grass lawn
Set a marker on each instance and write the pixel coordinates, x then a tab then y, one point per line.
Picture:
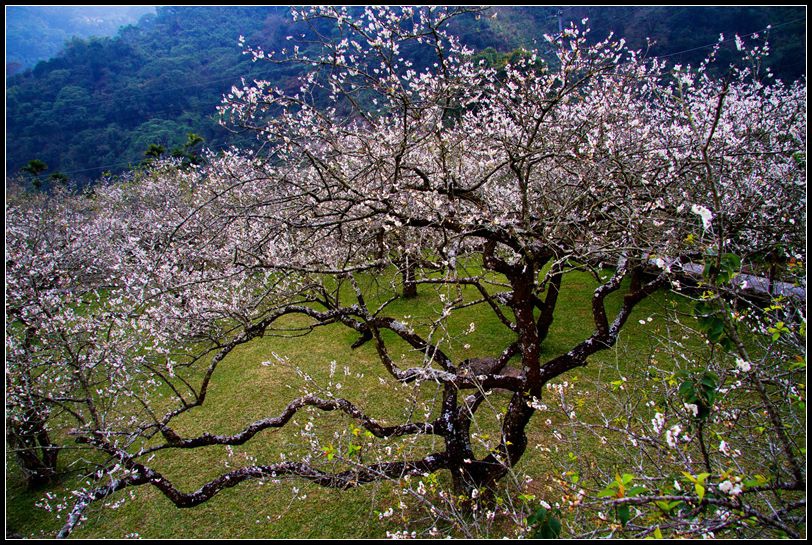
244	390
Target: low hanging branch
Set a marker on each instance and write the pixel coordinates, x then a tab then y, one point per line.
142	475
290	411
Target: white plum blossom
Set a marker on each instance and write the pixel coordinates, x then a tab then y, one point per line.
730	488
672	435
742	365
657	423
704	213
725	449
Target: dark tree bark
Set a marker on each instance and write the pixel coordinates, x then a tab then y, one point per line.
33	448
408	268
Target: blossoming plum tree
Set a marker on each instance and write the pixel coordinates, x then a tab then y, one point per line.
596	160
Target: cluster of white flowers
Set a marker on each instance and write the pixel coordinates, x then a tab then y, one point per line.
704	213
692	408
401	534
725	449
742	365
673	438
657	423
537	404
731	487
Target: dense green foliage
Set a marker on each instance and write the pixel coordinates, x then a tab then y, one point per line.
680	33
37	33
100	105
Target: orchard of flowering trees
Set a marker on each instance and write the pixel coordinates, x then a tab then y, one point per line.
487	187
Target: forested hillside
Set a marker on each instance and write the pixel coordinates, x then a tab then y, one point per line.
100	105
37	33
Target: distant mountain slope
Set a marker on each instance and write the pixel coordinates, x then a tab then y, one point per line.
100	104
37	33
679	33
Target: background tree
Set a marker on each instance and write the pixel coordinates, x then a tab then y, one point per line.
187	153
35	167
51	337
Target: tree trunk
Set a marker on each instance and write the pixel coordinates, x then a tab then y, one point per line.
32	446
407	272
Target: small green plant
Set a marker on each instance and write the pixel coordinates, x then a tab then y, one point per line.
622	487
699	391
545	523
